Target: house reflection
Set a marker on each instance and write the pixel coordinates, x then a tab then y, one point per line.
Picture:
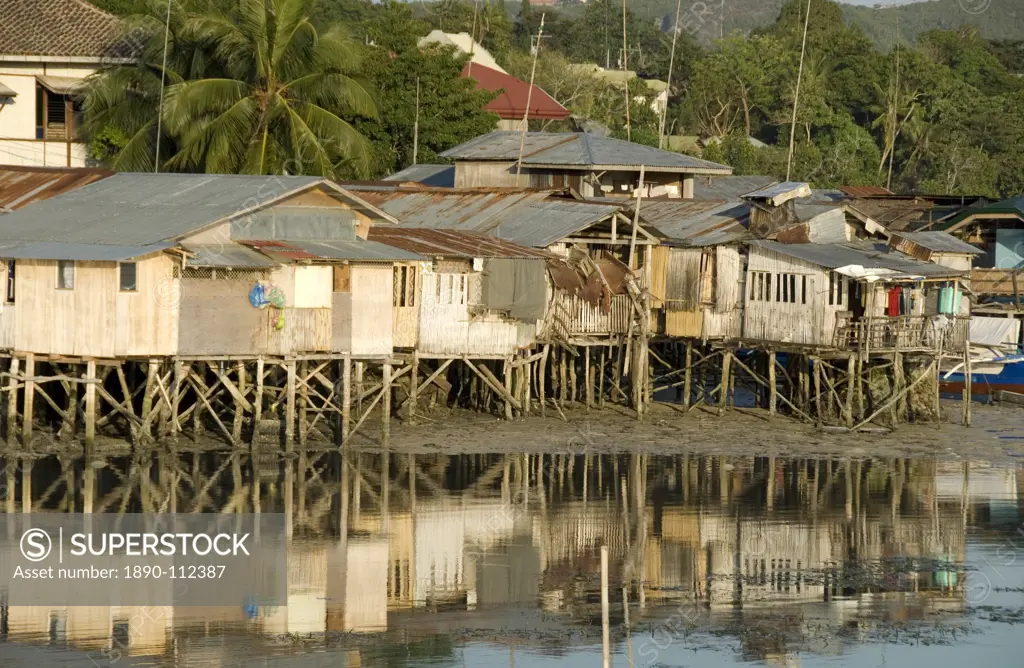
798	549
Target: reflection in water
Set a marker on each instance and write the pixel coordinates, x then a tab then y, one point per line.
475	558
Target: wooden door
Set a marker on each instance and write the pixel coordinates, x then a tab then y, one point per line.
406	305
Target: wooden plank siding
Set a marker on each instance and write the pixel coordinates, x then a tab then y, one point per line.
95	318
806	318
372	293
452	324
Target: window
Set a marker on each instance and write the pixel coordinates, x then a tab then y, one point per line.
129	270
65	274
10	282
788	288
837	287
57	116
343	278
405	286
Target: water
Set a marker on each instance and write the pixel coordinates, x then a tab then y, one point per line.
494	560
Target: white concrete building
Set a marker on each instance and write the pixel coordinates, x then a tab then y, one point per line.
47	49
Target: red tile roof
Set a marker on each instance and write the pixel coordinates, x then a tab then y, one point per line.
511	102
60	28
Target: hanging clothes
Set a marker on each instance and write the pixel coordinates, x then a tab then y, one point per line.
893	309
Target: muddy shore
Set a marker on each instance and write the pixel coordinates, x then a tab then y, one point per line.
997	434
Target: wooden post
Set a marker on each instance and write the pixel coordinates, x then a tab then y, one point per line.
152	369
967	386
606	635
12	404
851	374
27	411
817	390
386	404
507	380
90	410
563	382
414	386
346	397
26	485
70	426
688	374
723	389
772	390
541	378
257	413
899	382
587	378
600	377
236	428
289	409
360	370
303	407
573	390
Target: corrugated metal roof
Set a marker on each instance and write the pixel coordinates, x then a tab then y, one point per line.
728	187
355	251
940	242
225	255
141	209
865	191
870	256
21	186
466	209
1013	206
542	223
52	250
697	223
579	150
438	176
780	193
451	243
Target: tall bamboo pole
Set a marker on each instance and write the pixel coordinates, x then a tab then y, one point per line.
796	98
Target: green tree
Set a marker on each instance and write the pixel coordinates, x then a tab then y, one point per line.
255	89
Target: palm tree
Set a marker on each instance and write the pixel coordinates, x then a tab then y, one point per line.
252	88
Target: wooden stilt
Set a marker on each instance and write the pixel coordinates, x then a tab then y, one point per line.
507	378
574	394
303	404
541	377
600	376
360	370
26	480
899	382
414	387
817	391
563	381
90	410
687	374
527	371
772	389
851	375
723	388
236	428
257	406
346	397
386	404
28	410
12	403
968	388
289	408
588	379
152	368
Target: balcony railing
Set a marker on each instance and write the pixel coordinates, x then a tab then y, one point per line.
906	333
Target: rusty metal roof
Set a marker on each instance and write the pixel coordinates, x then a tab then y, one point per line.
451	243
696	222
865	191
21	186
356	251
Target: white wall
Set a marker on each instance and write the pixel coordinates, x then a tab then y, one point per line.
18	116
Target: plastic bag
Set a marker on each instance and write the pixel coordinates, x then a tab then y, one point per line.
257	297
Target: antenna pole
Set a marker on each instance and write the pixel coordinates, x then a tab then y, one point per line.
529	96
671	62
796	98
163	79
625	69
416	126
895	108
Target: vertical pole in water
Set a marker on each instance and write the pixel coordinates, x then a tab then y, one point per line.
26	486
346	397
508	387
967	386
606	635
289	410
386	402
303	390
587	378
772	398
9	466
414	389
600	377
236	428
687	374
90	414
30	392
257	413
851	376
817	390
541	377
12	404
723	388
360	366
